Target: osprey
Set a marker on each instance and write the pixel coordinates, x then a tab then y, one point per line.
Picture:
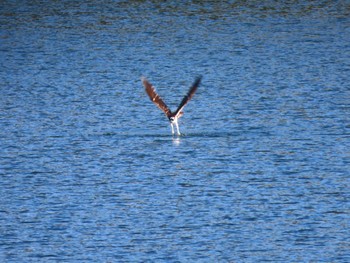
172	116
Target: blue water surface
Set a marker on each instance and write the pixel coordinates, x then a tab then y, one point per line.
91	173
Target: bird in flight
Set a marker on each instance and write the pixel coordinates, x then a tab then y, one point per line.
172	116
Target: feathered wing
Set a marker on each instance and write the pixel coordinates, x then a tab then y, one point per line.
188	96
150	90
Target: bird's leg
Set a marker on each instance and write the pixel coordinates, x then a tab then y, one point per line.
172	128
177	128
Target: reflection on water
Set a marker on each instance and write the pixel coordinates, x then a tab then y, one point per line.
91	172
176	141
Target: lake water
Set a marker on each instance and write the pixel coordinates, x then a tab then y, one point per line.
91	173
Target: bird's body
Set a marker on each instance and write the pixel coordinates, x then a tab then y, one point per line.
172	116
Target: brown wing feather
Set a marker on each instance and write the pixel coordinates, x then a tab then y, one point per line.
150	90
188	96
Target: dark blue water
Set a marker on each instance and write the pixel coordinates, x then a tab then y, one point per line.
89	169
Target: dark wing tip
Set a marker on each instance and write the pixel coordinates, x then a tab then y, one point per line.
194	87
198	80
150	90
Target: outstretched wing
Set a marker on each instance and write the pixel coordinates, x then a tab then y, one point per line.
150	90
188	96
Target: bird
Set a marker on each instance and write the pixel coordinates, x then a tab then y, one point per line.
172	116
